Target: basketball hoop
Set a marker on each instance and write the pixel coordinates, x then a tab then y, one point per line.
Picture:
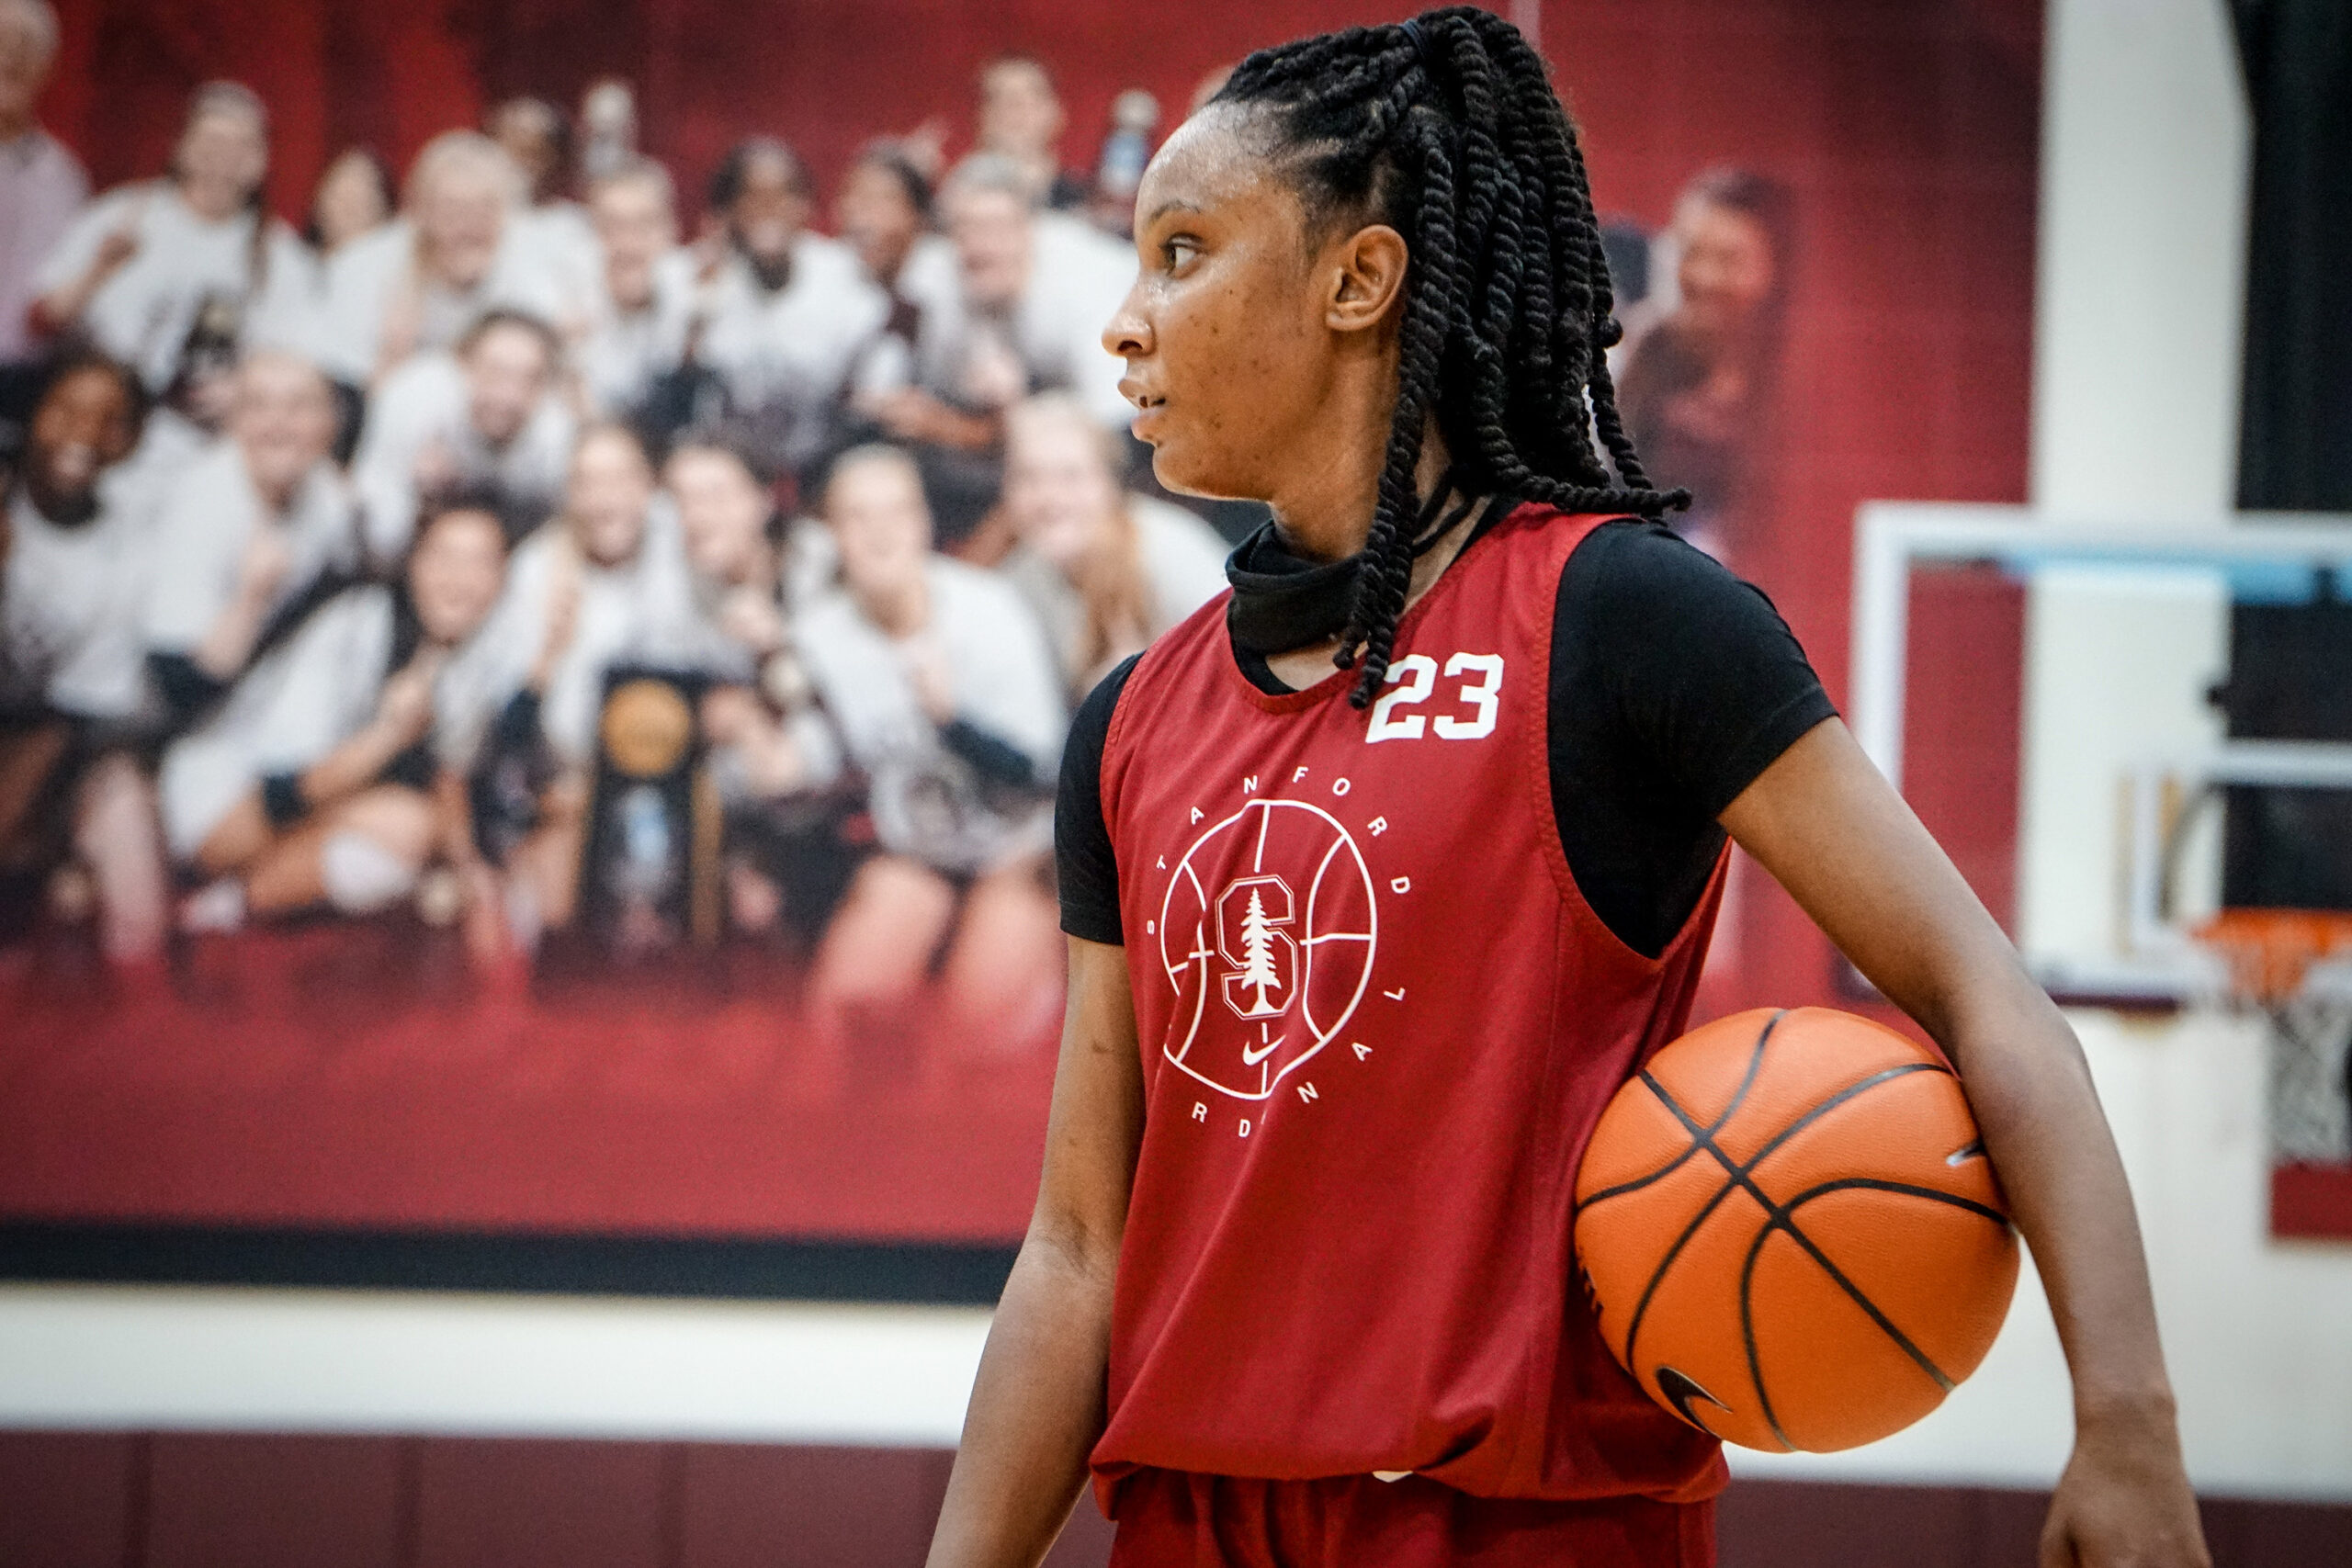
2271	953
2296	965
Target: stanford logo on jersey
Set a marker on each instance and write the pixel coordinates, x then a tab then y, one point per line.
1250	915
1267	933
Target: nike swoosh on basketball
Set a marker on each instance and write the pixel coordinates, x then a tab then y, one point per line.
1681	1389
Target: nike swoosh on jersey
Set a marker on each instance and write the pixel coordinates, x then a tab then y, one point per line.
1251	1058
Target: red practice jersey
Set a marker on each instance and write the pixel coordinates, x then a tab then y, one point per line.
1378	1023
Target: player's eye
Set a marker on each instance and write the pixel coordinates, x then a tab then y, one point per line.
1179	251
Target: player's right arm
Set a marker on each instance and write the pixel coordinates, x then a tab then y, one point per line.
1037	1404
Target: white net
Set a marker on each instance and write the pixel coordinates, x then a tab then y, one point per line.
2311	1075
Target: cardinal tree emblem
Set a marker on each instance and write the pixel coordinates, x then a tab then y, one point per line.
1265	960
1267	933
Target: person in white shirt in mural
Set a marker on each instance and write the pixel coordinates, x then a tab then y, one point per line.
41	188
635	331
1021	119
538	136
604	584
775	752
314	781
1026	314
780	312
251	526
457	250
1019	313
77	817
354	200
487	417
947	700
1104	569
181	275
883	210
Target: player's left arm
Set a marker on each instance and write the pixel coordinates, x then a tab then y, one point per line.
1823	822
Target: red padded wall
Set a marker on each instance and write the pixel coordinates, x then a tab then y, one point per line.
74	1500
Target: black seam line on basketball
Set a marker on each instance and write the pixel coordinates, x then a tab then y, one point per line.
1756	1252
1747	1334
1778	1217
1827	1106
1875	1184
1781	1221
1703	1137
1754	1065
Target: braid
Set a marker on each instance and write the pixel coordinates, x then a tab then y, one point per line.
1447	129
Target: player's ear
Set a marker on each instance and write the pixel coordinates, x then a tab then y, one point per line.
1367	278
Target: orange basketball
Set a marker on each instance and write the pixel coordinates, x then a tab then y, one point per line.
1792	1235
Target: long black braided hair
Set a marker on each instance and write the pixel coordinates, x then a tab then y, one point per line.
1446	129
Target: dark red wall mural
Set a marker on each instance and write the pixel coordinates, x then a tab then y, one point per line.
1903	135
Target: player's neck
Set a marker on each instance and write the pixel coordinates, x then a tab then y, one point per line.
1300	668
1326	515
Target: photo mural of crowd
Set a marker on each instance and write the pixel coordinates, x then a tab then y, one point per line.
531	547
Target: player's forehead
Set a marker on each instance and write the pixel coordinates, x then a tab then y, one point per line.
708	465
608	453
460	531
875	480
280	378
630	197
1216	163
509	345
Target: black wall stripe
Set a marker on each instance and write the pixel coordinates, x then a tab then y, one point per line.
532	1263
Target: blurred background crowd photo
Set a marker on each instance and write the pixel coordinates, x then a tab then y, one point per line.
579	562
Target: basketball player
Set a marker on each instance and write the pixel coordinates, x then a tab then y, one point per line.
78	809
312	782
1299	1287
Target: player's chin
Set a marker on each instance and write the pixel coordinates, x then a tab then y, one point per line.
1184	468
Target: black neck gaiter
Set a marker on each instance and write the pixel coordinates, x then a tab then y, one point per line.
1282	601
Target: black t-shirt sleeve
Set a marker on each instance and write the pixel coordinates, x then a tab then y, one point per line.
1674	685
1708	679
1084	864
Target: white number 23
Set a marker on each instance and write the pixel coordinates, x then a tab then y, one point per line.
1414	675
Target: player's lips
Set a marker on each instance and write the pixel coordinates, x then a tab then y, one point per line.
1148	407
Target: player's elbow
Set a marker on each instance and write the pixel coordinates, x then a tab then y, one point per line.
1079	1250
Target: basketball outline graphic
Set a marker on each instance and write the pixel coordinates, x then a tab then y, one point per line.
1196	949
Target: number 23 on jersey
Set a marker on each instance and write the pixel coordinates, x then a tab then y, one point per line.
1414	677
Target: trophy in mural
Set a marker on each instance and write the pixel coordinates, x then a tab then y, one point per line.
649	867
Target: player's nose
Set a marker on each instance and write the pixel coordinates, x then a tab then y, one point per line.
1129	334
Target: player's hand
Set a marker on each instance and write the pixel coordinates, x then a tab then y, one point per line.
405	707
264	567
927	672
729	714
403	328
908	414
748	615
994	377
562	620
2124	1501
116	250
